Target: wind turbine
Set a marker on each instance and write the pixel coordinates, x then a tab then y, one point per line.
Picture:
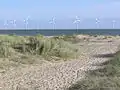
113	24
5	24
26	22
77	21
97	22
38	25
53	23
14	23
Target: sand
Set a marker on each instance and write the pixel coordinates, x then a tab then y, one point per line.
60	76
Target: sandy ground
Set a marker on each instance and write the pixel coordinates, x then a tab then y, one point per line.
59	76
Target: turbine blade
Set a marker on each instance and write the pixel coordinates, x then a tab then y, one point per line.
75	21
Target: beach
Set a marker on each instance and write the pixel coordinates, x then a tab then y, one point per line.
61	75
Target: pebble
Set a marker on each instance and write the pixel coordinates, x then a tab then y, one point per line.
57	76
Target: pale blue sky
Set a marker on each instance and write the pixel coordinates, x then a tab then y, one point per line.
61	9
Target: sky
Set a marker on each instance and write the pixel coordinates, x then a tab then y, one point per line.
64	11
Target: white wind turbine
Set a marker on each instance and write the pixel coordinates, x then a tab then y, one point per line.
14	23
26	22
97	22
5	24
37	25
53	23
113	24
77	21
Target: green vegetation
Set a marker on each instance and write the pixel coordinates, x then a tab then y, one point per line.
68	38
29	49
107	78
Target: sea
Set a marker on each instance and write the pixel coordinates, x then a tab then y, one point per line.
54	32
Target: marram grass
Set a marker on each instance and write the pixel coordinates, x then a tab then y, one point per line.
5	49
49	47
14	48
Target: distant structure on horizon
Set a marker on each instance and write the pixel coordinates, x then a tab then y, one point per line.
77	21
52	22
14	23
97	23
5	24
26	22
113	24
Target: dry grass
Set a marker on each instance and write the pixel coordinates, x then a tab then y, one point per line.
21	49
68	38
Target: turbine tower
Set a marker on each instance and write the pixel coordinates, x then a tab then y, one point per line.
77	21
97	23
14	23
38	25
5	24
26	22
113	24
53	23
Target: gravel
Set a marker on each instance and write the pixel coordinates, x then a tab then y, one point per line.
57	76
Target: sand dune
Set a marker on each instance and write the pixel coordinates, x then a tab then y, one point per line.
59	76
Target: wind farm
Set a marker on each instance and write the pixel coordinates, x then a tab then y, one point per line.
77	23
60	45
11	26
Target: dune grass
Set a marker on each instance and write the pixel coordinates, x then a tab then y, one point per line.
107	78
47	47
68	38
20	49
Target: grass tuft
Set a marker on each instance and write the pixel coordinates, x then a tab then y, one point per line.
5	50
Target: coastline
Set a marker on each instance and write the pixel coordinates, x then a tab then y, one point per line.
51	32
